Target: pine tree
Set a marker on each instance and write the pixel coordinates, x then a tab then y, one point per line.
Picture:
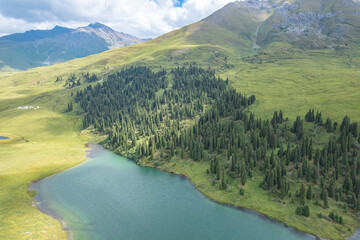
310	151
347	185
70	107
332	188
302	194
326	203
309	193
223	182
218	172
243	173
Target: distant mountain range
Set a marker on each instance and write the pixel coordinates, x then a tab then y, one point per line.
34	48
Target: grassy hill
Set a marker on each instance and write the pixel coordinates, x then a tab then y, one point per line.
283	70
282	74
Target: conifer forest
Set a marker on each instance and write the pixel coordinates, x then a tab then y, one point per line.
192	113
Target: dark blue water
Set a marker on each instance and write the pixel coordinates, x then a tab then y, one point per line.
110	197
3	138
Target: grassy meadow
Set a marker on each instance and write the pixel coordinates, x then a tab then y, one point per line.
48	140
42	142
318	80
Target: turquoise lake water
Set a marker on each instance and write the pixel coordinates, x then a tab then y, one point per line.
110	197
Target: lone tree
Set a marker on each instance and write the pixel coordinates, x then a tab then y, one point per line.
302	194
70	107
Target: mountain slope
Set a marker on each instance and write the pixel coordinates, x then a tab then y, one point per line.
313	24
45	47
281	69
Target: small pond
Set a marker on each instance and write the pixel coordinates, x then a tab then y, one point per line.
4	138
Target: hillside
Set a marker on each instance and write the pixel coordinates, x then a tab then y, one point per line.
265	48
21	51
283	74
192	123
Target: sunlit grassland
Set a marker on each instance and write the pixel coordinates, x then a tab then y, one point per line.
320	81
255	198
43	142
293	81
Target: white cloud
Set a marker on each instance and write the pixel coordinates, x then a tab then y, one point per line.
142	18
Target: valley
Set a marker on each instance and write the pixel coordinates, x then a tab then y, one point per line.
296	65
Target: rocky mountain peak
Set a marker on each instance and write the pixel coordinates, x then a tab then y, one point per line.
97	25
45	47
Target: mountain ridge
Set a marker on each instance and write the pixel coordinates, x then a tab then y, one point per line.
36	48
226	44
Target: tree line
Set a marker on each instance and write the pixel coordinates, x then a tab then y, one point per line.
191	113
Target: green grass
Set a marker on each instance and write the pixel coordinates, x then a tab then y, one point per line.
43	142
291	80
288	79
257	199
308	79
304	80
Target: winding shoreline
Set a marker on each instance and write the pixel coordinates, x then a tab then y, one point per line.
234	206
69	233
92	146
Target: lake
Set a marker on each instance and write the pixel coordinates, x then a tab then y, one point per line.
4	138
110	197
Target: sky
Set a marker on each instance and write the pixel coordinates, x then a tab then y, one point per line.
141	18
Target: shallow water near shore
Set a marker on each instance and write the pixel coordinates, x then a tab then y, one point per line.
110	197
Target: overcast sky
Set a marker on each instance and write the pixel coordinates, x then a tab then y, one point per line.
141	18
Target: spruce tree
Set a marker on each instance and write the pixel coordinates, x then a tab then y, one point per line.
326	203
243	173
309	193
223	182
302	194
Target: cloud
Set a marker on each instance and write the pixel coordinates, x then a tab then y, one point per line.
142	18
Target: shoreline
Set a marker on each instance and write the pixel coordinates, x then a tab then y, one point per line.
92	146
267	217
263	215
69	233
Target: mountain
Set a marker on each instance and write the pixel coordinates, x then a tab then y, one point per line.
313	24
305	24
45	47
260	24
294	54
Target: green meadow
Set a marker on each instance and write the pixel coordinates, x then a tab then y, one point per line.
42	142
48	140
